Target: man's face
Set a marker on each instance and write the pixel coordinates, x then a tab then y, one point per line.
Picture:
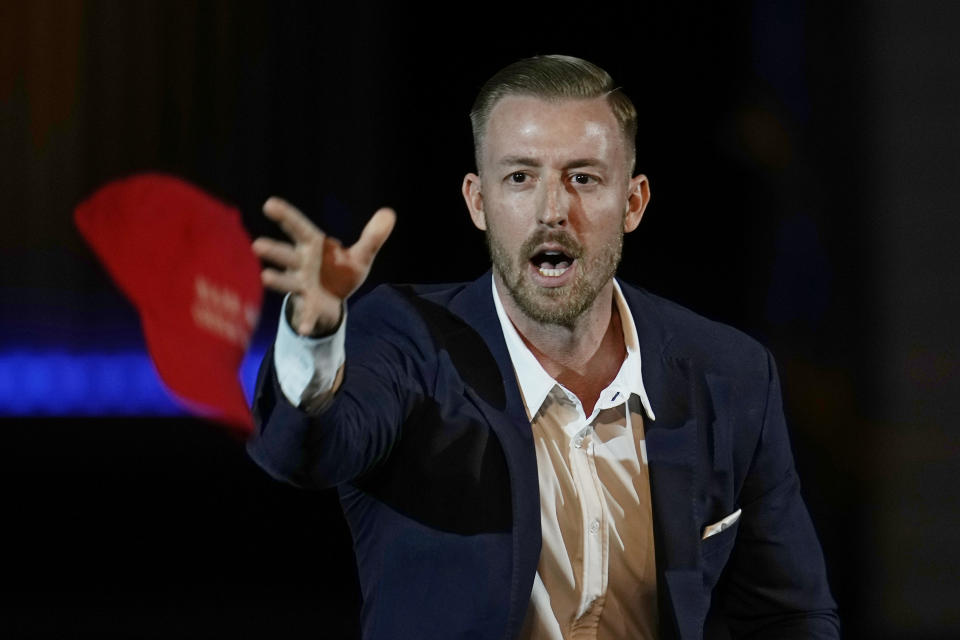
555	198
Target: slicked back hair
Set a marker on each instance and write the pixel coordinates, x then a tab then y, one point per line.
553	77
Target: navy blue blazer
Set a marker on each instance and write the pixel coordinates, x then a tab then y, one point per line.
430	449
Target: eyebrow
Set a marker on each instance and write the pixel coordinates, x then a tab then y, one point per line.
519	160
533	162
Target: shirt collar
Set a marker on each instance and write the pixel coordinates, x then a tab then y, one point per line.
535	383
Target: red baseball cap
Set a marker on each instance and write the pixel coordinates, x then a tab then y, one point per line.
184	259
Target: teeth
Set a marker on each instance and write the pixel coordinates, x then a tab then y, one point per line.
553	273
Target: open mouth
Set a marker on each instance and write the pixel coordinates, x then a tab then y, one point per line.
552	264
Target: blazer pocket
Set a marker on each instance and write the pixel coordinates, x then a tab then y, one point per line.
716	543
716	549
721	525
719	535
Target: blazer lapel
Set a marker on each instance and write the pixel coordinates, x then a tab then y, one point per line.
474	305
674	442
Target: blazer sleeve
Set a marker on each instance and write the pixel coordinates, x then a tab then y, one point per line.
776	583
386	375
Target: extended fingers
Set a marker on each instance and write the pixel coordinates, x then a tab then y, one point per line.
282	281
374	234
291	220
280	253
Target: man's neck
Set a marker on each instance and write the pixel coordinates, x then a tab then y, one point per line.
585	357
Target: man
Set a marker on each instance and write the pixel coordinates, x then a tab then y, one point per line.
544	452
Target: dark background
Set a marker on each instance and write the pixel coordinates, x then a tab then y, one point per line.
803	159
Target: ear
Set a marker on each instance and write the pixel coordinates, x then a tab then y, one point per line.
637	201
474	199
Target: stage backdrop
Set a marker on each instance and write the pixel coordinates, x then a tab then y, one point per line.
803	162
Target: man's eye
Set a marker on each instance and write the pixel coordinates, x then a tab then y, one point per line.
518	177
583	178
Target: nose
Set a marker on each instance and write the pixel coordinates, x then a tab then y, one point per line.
554	204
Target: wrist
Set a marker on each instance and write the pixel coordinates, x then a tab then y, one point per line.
322	326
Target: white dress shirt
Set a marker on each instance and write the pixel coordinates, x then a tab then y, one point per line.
596	577
307	367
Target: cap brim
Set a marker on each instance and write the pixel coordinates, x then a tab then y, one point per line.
199	372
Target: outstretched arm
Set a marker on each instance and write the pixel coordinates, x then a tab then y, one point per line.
319	273
300	378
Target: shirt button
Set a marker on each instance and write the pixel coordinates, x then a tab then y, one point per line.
594	526
578	442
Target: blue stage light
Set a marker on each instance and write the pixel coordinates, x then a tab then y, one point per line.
64	383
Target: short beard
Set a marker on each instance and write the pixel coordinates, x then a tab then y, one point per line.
560	306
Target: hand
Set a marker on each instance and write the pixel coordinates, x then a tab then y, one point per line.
318	271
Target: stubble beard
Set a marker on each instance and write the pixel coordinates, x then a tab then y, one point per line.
562	305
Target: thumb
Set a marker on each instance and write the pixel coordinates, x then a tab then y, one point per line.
374	234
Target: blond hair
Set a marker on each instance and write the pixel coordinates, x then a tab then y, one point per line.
553	77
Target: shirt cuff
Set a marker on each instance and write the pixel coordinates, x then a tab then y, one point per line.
307	367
